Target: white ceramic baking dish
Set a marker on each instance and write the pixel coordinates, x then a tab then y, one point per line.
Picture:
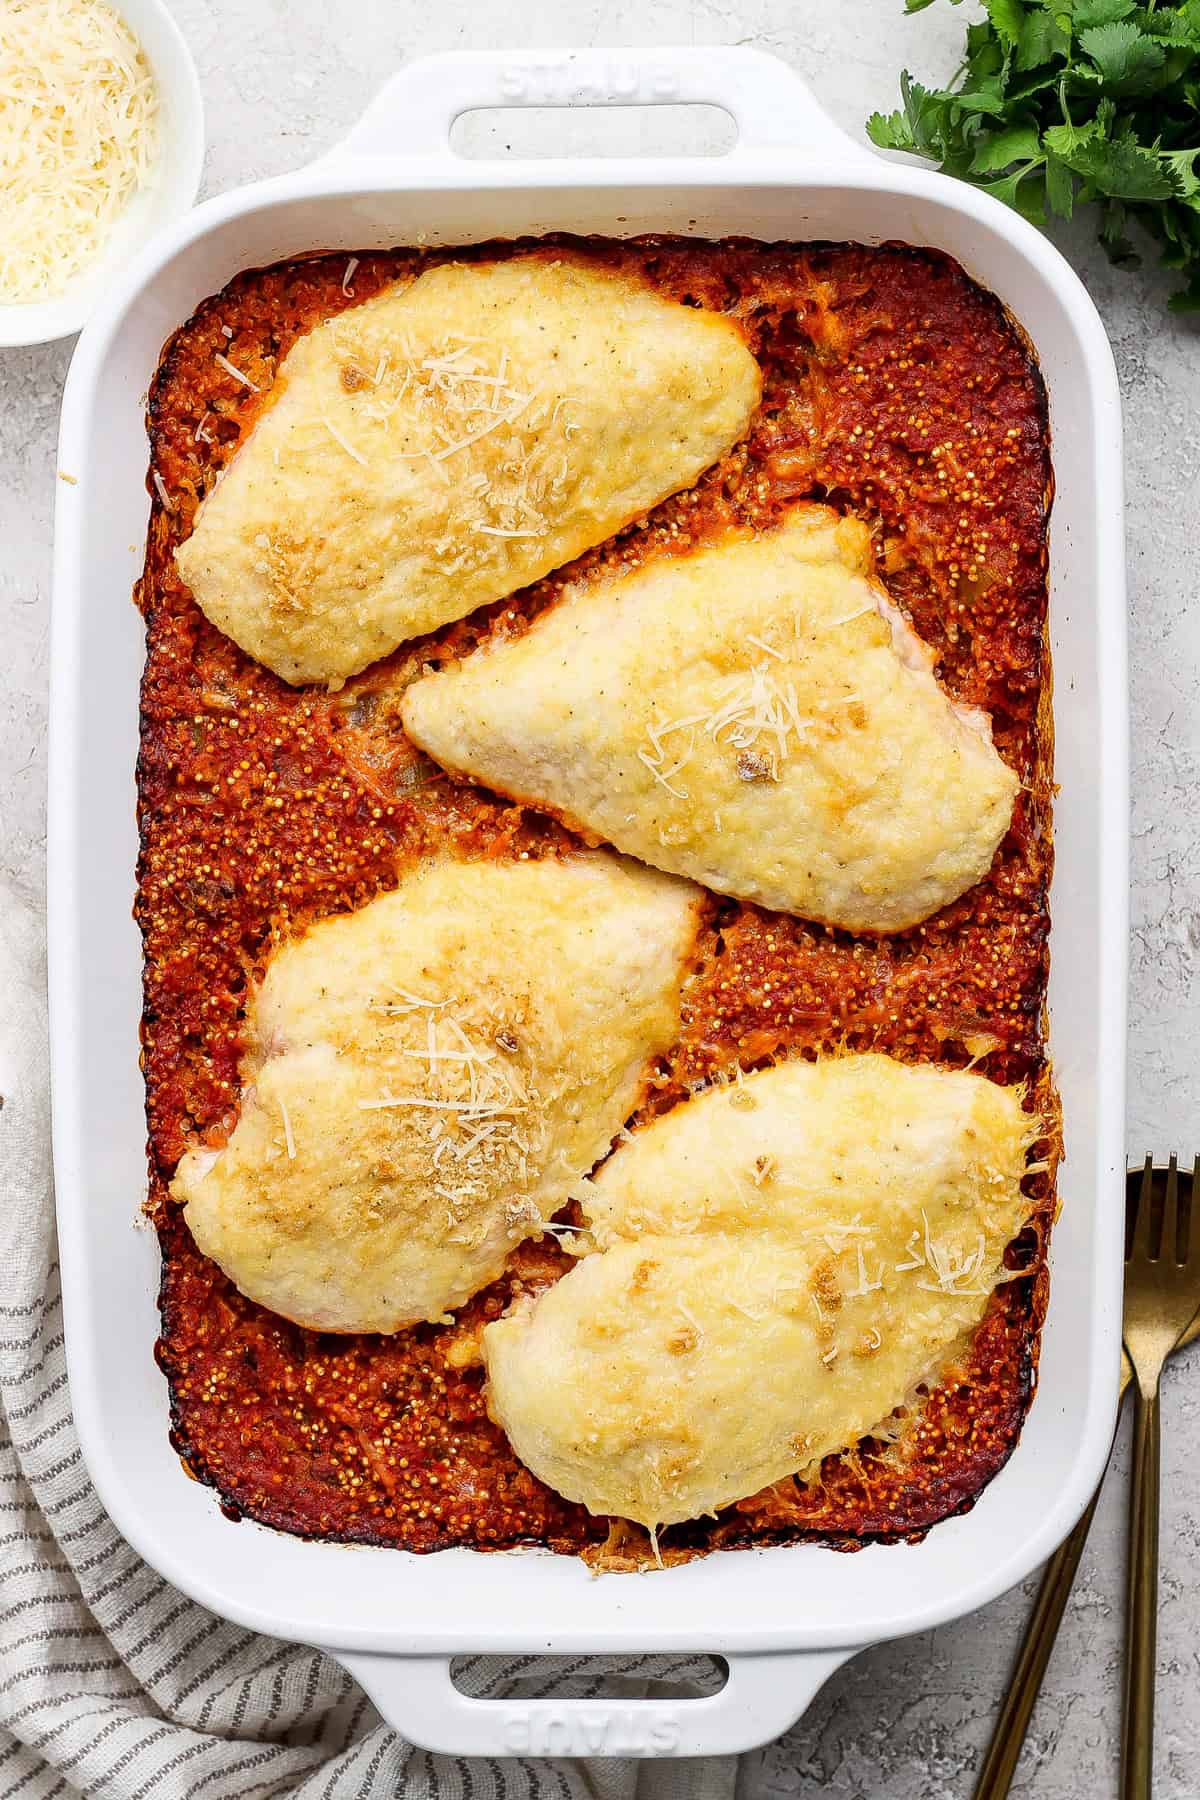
784	1618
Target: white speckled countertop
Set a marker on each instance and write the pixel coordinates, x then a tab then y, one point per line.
283	79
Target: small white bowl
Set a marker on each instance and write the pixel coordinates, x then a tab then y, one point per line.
170	192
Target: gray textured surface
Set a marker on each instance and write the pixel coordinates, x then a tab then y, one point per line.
282	81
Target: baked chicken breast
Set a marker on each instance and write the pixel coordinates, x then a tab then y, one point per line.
754	714
449	441
425	1078
778	1265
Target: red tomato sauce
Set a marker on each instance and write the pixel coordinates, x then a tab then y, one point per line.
896	390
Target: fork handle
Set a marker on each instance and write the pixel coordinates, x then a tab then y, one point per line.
1137	1724
1008	1738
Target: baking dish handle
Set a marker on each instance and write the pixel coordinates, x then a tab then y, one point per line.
772	107
763	1696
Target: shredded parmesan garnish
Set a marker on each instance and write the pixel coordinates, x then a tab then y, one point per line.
950	1266
762	644
78	137
858	612
663	775
469	1102
238	374
432	402
558	1232
453	445
916	1255
744	1310
163	492
756	709
755	712
348	276
288	1139
837	1235
409	1002
337	437
691	1318
866	1284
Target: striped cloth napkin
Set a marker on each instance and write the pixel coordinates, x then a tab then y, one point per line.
112	1683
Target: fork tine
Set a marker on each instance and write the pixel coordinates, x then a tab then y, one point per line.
1158	1230
1170	1245
1187	1205
1140	1244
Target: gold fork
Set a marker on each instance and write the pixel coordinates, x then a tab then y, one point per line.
1012	1724
1162	1291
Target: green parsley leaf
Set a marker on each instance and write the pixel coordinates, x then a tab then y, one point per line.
1119	167
1066	103
1180	26
1182	164
1000	149
1097	12
1070	142
1122	53
989	98
1018	192
929	116
1007	19
1060	187
1042	39
889	131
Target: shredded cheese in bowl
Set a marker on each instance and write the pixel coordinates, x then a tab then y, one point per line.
78	137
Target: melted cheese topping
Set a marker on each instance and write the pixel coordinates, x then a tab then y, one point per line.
775	1265
78	136
449	441
425	1078
775	730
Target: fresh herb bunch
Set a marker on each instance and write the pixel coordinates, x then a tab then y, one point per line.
1059	103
